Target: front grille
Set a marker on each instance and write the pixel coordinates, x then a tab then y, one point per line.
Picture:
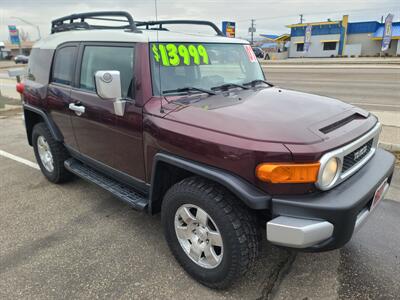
357	155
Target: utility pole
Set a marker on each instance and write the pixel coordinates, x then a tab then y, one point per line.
252	29
382	19
301	19
19	43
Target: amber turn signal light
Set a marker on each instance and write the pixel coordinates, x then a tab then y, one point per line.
287	173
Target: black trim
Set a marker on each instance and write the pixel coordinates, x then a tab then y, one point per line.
60	47
122	177
341	205
55	132
250	195
118	189
181	22
77	21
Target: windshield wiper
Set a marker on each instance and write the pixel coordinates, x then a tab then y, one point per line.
229	85
188	90
257	81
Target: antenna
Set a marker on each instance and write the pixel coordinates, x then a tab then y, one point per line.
159	65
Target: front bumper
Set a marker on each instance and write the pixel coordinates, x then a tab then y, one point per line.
327	220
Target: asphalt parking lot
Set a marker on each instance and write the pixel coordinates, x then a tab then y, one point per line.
77	241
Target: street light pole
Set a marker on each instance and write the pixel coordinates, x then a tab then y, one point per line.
31	24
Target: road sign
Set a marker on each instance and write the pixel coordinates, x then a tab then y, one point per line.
14	35
229	28
387	32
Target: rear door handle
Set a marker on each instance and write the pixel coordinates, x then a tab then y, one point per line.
78	109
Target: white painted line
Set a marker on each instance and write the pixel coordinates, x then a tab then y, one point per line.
19	159
375	104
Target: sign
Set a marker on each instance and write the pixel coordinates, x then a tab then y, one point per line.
307	38
250	53
172	55
229	28
387	32
14	34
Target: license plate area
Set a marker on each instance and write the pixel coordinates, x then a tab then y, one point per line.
379	193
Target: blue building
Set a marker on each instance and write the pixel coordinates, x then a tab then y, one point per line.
332	38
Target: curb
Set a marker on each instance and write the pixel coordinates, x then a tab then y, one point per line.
7	67
390	147
395	61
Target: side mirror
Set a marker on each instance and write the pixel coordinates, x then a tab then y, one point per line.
108	87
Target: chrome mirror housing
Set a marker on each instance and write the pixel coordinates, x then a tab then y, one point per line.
108	87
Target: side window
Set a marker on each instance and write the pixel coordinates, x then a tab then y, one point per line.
300	47
63	67
39	65
329	46
111	58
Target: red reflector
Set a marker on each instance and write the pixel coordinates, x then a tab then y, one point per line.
20	88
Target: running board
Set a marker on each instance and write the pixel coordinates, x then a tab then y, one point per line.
119	190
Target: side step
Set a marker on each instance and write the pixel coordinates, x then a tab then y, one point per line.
121	191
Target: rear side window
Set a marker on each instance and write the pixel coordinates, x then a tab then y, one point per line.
108	58
39	65
64	63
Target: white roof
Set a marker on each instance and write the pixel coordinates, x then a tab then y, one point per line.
106	35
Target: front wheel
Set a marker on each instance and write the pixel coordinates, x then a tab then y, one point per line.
211	234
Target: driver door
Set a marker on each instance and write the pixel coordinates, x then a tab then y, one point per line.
106	141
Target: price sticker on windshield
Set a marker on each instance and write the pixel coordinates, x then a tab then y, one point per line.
250	53
173	55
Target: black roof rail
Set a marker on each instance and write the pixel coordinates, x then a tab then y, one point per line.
77	21
166	22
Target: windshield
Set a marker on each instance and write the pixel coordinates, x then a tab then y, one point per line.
177	66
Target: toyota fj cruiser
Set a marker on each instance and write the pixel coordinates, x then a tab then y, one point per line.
186	125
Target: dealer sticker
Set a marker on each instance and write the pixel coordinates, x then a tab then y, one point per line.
250	53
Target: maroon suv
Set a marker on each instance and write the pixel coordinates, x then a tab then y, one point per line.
186	125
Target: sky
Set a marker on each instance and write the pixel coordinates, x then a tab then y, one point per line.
271	17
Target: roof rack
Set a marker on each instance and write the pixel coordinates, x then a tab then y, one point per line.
69	22
165	22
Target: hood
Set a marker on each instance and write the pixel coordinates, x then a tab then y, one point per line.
267	114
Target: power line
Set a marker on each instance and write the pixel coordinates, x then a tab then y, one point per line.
317	13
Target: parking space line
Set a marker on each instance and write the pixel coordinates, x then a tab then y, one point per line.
19	159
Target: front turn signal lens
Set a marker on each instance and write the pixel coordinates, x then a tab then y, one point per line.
288	173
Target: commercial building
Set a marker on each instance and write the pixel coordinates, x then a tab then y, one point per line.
8	49
337	38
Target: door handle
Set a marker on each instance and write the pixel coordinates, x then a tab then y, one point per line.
78	109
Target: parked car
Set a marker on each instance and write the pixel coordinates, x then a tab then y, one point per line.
21	59
258	52
222	154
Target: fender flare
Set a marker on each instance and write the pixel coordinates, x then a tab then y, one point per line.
250	195
55	132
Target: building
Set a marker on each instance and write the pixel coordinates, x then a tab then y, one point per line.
11	50
337	38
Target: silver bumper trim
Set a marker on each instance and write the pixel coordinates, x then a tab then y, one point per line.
296	232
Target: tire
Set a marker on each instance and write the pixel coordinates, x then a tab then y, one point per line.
59	154
234	221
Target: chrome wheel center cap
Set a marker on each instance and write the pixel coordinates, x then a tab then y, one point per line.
199	236
202	234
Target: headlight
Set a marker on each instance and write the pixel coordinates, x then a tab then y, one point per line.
328	173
